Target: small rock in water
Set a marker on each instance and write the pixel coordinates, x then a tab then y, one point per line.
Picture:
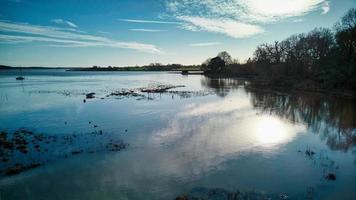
95	126
90	95
331	177
14	170
309	152
283	196
183	197
76	152
20	78
18	168
84	100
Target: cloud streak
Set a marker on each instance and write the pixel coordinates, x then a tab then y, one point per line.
325	8
64	22
146	30
297	20
147	21
228	27
206	44
11	32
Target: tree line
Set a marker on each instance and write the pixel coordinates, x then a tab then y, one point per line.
322	58
150	67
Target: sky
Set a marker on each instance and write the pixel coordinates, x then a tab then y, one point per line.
83	33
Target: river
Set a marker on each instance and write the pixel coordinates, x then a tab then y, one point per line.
212	133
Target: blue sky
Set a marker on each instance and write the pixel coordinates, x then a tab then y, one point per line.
136	32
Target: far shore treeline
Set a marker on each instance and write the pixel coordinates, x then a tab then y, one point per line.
323	59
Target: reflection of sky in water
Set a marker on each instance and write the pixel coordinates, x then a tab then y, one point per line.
225	140
207	134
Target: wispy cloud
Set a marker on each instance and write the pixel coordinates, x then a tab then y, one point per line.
225	26
238	18
297	20
64	22
261	11
206	44
146	30
19	39
325	7
147	21
103	32
63	37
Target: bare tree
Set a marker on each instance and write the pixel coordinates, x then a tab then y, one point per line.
226	57
346	35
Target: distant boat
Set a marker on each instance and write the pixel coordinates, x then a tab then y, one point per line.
20	78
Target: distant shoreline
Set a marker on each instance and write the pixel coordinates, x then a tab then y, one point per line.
112	69
255	82
2	67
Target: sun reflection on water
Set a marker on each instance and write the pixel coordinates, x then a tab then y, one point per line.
208	134
270	131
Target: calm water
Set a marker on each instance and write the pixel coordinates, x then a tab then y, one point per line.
216	134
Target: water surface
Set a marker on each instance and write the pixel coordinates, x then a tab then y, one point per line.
218	133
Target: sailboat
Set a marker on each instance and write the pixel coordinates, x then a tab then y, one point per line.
20	78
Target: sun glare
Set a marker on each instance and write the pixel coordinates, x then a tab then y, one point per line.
269	130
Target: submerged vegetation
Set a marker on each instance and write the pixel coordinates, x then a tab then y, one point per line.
24	149
223	194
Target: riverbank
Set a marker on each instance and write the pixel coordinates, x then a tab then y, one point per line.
257	83
303	87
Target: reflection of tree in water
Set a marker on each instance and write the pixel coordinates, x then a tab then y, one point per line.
333	118
221	86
